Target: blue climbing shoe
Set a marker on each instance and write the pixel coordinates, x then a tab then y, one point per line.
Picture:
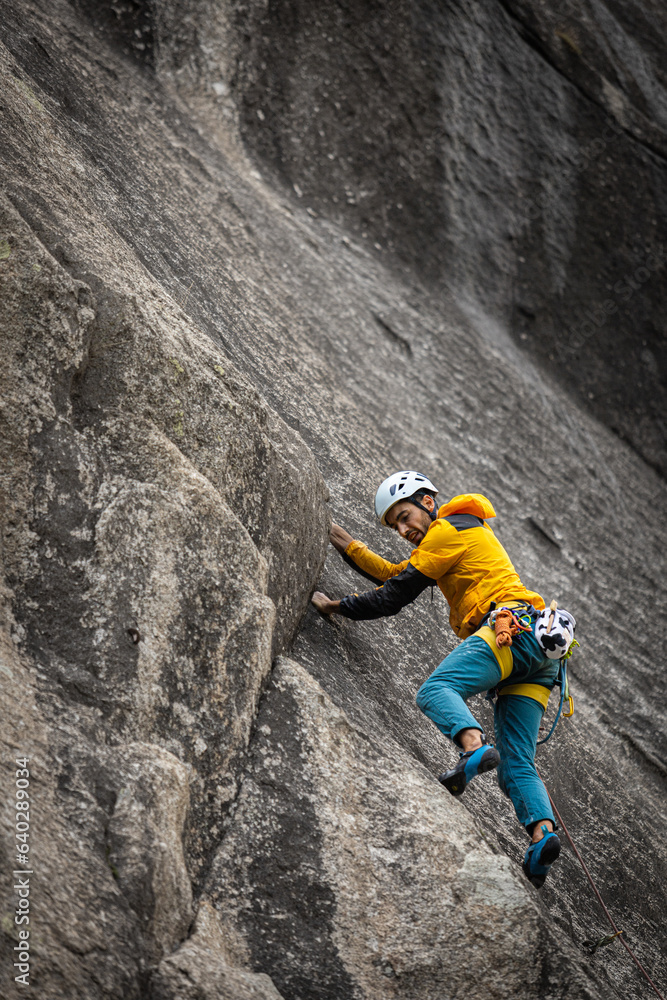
470	764
539	857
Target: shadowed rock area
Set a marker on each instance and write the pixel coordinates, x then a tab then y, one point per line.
253	257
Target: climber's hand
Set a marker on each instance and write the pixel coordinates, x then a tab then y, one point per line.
323	604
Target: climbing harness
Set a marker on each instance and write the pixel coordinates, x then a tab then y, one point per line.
516	617
617	933
507	624
554	631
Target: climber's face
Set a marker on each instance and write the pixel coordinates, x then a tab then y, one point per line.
409	521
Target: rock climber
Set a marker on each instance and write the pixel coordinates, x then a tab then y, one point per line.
455	548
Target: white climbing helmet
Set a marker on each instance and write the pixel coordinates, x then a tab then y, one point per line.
400	486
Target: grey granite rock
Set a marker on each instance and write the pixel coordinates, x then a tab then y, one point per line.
513	152
145	840
211	301
351	873
139	601
199	970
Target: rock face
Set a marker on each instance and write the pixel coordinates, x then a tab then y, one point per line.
200	968
479	142
139	600
380	883
253	256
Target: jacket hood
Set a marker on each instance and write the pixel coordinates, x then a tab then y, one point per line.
468	503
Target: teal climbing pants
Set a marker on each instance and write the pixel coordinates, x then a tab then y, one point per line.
472	668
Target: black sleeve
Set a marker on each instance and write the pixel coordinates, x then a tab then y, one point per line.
387	600
352	563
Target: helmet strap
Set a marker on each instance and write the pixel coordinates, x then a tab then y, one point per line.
431	513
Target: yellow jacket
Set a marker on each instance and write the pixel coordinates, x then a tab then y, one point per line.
461	553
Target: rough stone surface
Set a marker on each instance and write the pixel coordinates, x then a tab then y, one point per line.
110	892
513	152
139	601
243	248
145	832
199	969
351	873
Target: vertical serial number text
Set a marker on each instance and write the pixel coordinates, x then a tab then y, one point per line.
23	872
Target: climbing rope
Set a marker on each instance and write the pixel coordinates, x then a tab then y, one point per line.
560	709
564	693
617	933
506	625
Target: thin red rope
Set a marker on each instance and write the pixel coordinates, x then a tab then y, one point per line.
599	897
